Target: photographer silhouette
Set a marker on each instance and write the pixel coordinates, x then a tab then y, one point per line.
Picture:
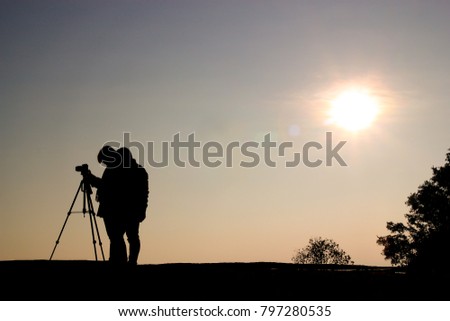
122	193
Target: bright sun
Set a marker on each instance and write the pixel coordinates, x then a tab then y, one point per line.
353	110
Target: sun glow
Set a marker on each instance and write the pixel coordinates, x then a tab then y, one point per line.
353	110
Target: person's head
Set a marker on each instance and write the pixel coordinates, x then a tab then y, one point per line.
108	156
126	157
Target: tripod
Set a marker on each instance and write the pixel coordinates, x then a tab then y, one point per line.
85	187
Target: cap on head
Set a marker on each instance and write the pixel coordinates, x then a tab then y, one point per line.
126	156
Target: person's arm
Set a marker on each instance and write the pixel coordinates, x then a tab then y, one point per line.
94	180
143	190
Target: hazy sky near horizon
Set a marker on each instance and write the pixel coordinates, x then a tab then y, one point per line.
77	74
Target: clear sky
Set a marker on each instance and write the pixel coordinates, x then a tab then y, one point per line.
77	74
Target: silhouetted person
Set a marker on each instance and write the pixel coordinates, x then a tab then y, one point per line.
122	193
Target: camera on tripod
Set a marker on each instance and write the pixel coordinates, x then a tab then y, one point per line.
88	207
83	169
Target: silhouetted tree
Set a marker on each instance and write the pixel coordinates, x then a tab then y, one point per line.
322	251
424	241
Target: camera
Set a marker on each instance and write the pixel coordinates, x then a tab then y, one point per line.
83	169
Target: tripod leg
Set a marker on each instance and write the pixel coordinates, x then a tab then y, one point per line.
65	221
87	198
92	213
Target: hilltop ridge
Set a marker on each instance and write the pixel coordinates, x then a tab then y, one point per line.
92	280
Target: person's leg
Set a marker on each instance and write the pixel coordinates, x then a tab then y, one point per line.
117	247
134	242
110	233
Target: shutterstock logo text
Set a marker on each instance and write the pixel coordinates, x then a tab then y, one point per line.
188	151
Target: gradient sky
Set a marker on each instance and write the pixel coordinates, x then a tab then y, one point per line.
77	74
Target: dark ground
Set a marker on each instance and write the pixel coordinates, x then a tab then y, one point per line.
43	280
